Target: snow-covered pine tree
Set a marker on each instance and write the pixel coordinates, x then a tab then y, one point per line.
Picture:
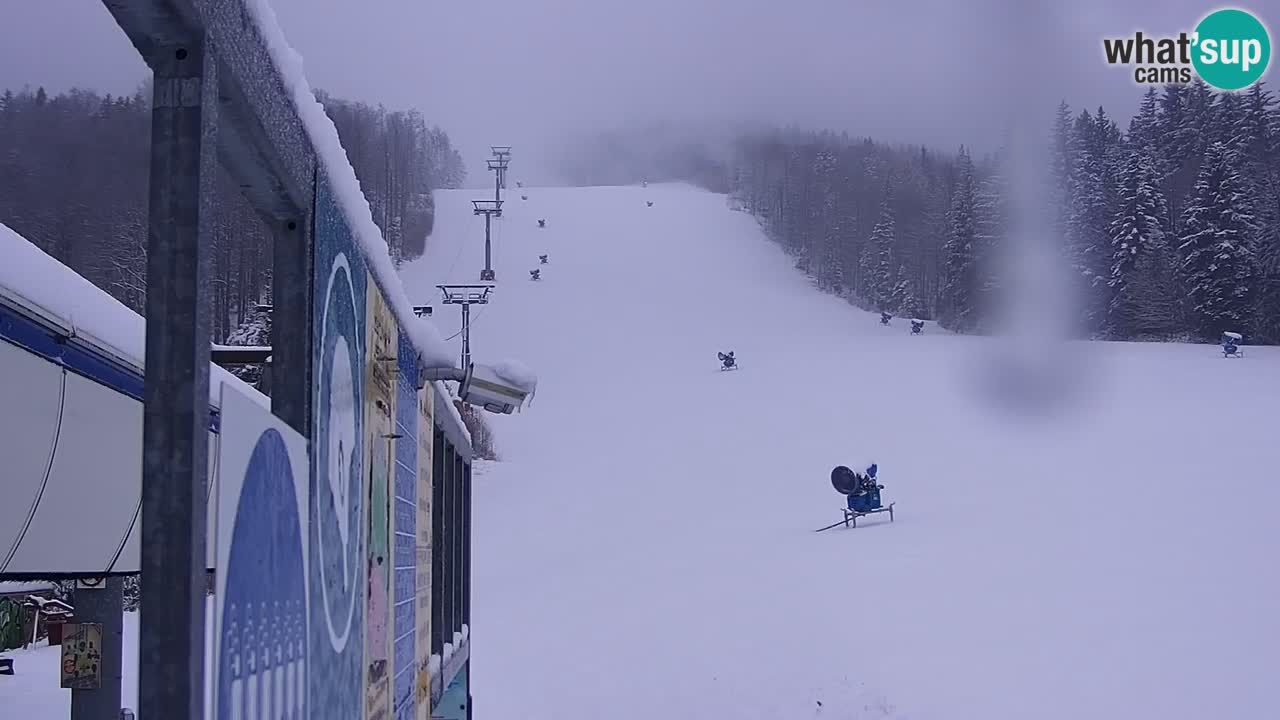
1060	162
1137	232
878	267
1260	128
1144	127
958	290
1088	237
1218	264
826	214
990	230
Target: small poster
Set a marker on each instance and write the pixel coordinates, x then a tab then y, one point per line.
82	656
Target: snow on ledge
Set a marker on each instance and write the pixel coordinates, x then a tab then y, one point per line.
333	158
518	374
444	391
39	278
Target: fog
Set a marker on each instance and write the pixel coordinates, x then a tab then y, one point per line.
532	73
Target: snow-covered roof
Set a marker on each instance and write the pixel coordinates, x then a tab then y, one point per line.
917	320
1233	335
332	157
12	587
39	283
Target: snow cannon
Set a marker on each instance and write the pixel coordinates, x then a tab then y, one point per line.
917	326
1231	342
542	259
535	274
885	318
862	495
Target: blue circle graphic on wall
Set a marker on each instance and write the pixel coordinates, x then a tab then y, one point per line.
336	495
262	661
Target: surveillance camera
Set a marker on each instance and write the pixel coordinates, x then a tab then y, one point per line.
484	387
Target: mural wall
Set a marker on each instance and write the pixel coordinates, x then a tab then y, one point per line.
405	517
378	409
260	609
425	438
369	513
337	577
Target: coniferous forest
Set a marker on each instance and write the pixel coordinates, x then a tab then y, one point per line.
1169	227
73	180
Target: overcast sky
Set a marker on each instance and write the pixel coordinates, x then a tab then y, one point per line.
527	72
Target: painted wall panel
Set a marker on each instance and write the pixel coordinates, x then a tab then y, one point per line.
336	510
379	423
405	518
422	549
260	607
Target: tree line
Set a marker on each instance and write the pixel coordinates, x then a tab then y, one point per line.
73	180
1171	228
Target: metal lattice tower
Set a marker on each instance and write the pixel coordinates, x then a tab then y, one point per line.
466	296
502	154
489	209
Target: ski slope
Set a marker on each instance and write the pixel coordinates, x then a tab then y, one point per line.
646	549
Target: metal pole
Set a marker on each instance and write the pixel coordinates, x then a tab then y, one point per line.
103	605
466	336
291	322
497	184
175	435
488	267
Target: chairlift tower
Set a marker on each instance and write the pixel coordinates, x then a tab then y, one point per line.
466	296
503	153
499	168
489	209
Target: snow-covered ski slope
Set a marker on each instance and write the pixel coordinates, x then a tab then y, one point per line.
646	548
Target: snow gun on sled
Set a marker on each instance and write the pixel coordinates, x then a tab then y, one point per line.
862	495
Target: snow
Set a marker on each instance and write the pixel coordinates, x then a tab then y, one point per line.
33	692
1234	336
443	391
333	158
646	549
18	587
517	373
40	279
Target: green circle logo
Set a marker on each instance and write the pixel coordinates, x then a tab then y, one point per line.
1232	49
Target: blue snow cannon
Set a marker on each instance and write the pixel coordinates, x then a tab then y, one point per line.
862	494
867	496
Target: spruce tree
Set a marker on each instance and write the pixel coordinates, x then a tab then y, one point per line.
1217	255
1137	232
959	287
878	265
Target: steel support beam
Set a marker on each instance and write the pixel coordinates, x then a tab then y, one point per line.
175	442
